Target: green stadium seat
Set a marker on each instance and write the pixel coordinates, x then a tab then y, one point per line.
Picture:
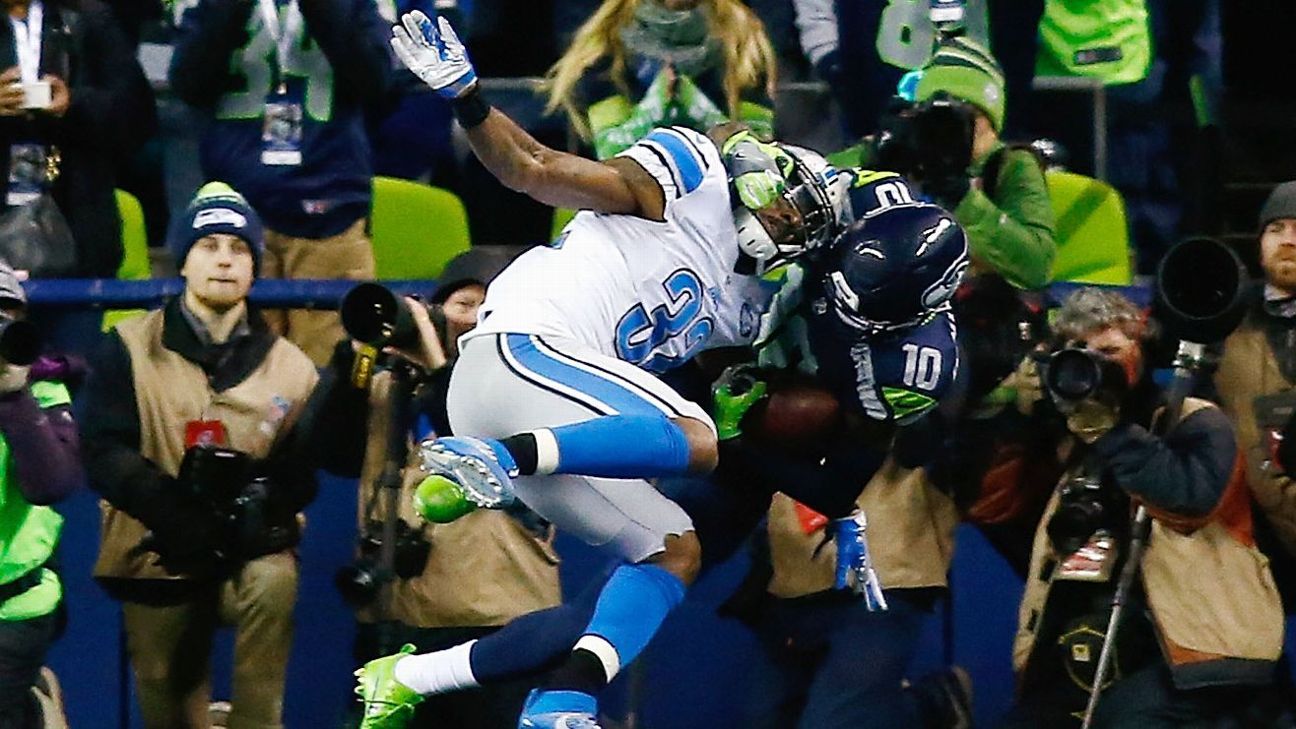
416	229
1091	231
562	216
135	264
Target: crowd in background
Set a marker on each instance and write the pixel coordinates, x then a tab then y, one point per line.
296	106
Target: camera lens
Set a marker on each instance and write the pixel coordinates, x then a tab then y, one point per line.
358	583
1073	374
1073	524
373	314
20	341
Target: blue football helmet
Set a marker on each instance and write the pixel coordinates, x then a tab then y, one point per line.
894	267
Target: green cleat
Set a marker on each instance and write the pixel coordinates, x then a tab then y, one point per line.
440	500
388	703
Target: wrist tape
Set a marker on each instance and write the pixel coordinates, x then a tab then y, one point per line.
471	109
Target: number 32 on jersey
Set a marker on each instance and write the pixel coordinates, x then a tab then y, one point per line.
669	334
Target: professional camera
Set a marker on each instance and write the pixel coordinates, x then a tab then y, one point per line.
373	314
20	341
245	512
1085	506
360	581
376	315
927	141
1072	375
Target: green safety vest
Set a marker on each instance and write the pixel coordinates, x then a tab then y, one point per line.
1106	39
29	533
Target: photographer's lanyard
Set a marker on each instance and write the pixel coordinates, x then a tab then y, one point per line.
27	42
283	34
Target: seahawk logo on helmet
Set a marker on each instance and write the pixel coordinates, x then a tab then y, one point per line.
894	267
805	188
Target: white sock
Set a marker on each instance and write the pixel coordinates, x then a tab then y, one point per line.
438	672
602	650
546	451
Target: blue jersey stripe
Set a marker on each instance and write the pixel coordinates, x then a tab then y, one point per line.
603	388
685	155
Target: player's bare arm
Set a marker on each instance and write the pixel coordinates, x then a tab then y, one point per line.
434	53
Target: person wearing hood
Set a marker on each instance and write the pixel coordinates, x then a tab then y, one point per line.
640	64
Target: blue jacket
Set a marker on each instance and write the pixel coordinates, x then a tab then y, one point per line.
224	62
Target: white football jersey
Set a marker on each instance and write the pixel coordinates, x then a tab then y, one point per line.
651	293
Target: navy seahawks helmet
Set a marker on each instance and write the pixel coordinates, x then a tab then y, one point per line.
894	267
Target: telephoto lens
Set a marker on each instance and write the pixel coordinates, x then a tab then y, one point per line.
373	314
20	341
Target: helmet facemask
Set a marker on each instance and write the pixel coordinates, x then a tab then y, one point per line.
808	187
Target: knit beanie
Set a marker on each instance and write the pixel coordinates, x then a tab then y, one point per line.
1281	204
967	71
477	265
217	208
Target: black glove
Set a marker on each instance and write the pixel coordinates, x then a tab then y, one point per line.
948	191
187	536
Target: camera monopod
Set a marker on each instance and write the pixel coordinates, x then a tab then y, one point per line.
374	315
1201	289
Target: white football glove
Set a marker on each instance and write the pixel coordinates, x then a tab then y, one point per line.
434	53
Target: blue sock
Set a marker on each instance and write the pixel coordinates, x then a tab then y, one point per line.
616	446
629	611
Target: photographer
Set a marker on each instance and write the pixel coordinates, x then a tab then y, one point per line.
1203	627
948	144
1258	371
39	466
453	582
198	415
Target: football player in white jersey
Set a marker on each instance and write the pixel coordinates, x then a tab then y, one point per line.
555	381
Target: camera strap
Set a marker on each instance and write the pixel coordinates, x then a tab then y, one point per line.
27	42
14	588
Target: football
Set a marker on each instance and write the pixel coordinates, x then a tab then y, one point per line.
798	416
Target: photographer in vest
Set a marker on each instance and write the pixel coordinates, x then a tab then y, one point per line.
1202	628
39	466
200	418
1255	381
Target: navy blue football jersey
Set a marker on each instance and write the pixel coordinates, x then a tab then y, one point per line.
894	377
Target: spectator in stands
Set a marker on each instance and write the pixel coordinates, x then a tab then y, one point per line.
286	86
1258	368
639	64
411	139
1201	634
39	465
96	112
1001	199
1160	63
199	416
862	48
483	569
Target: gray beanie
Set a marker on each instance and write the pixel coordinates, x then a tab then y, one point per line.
1281	204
